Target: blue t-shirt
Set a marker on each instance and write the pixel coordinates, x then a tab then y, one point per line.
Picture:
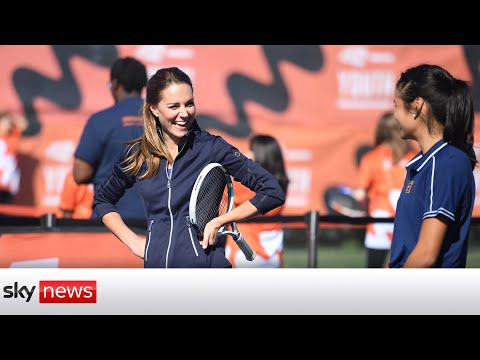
103	142
439	182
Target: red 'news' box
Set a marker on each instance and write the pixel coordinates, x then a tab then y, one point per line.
68	291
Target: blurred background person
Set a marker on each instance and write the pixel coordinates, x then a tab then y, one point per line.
266	239
75	199
11	128
106	133
379	182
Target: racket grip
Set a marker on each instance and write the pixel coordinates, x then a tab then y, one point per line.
246	249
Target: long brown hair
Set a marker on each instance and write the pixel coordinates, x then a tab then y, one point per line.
268	154
149	148
388	133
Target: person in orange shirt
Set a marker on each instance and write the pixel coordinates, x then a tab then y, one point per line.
266	239
379	182
75	200
11	127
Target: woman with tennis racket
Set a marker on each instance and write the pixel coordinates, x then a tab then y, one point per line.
184	176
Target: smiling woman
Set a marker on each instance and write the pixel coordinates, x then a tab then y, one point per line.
165	162
175	111
434	210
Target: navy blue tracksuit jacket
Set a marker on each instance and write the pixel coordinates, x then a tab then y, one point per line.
171	241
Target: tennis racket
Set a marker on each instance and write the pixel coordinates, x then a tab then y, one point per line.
212	196
340	201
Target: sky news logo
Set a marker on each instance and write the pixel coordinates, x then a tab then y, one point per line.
55	291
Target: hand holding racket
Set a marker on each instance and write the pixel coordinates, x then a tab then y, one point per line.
212	196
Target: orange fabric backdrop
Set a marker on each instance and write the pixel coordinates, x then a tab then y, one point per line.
66	250
326	102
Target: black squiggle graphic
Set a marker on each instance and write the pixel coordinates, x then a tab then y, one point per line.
30	85
274	96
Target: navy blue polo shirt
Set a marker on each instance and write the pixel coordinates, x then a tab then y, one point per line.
439	182
103	142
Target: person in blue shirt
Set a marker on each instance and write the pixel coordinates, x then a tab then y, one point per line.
434	210
165	162
107	132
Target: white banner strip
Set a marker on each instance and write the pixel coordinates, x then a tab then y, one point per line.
239	291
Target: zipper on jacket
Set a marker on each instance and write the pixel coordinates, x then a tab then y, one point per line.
189	225
171	219
169	207
149	237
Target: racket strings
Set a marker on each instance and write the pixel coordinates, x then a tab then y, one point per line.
212	199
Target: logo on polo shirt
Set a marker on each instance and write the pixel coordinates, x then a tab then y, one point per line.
409	186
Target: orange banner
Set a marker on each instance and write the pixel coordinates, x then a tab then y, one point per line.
321	102
65	250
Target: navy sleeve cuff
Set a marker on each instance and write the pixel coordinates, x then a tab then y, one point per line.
102	209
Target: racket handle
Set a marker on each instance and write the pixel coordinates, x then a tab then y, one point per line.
246	249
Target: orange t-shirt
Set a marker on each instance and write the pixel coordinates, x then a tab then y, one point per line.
252	231
76	198
383	182
382	179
